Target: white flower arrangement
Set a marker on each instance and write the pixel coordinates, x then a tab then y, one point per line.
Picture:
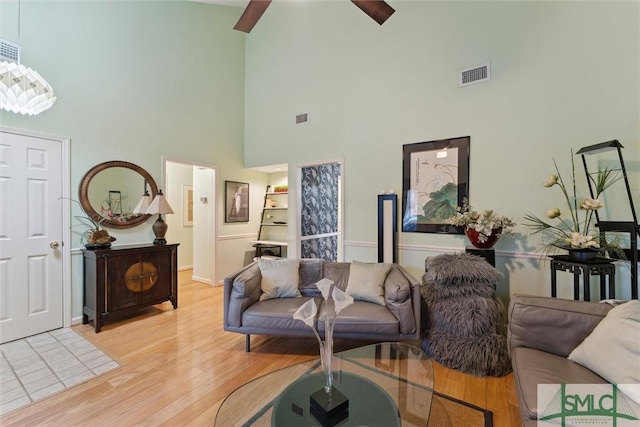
575	229
484	222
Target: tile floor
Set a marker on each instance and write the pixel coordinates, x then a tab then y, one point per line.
38	366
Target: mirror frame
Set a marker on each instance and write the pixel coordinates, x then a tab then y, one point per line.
83	193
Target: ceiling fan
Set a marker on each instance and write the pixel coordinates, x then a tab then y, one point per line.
378	10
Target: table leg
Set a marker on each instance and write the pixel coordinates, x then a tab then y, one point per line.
603	290
576	286
612	284
553	281
586	284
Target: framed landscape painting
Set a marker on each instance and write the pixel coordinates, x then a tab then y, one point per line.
435	180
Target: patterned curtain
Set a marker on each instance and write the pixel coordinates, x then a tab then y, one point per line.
319	211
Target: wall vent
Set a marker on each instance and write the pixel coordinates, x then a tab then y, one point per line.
9	51
477	74
302	118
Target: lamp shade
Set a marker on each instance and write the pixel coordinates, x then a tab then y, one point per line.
23	90
160	205
143	204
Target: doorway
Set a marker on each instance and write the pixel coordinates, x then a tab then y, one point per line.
319	231
191	191
35	283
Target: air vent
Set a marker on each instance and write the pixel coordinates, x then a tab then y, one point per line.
9	51
476	74
302	118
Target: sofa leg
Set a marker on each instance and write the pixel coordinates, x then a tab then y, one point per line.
247	346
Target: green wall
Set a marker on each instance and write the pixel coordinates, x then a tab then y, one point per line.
564	75
137	81
140	80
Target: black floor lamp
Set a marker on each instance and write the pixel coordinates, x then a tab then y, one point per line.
631	227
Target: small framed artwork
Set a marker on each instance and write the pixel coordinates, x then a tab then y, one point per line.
435	180
187	205
236	196
115	202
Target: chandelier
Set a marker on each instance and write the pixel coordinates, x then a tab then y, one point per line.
22	89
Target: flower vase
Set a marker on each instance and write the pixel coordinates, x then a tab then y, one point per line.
326	354
474	238
582	254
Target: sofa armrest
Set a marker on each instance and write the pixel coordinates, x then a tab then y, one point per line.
552	325
400	293
241	289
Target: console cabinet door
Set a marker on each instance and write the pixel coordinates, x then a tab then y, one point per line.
123	279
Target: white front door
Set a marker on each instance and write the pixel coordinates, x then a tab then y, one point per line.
31	257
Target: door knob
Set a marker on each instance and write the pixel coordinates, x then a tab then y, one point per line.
54	245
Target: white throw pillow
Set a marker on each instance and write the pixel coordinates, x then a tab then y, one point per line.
280	278
612	350
366	281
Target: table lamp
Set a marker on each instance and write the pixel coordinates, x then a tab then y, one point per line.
143	205
159	206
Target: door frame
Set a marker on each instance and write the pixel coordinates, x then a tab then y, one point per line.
214	220
65	164
297	197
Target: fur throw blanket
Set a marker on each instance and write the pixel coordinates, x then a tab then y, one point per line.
462	316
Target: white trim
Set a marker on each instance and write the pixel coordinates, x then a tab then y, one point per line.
65	165
251	236
448	249
186	267
318	236
201	280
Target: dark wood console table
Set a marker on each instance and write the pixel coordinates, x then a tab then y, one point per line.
603	267
122	279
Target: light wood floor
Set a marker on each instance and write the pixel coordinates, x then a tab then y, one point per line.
177	366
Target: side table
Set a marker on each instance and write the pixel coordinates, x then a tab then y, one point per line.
602	267
489	254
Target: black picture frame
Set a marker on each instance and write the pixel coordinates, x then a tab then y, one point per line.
435	181
236	206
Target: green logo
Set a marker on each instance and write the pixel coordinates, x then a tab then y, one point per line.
586	404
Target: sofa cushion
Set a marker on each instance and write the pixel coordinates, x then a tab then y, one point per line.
275	314
362	317
532	367
366	281
619	333
338	272
280	278
310	274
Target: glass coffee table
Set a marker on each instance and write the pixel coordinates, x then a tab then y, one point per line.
387	384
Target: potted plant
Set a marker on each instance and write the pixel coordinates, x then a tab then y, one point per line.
482	228
574	229
95	236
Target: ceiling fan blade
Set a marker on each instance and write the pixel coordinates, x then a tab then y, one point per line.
251	15
379	10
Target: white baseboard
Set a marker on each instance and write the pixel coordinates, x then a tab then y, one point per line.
186	267
201	280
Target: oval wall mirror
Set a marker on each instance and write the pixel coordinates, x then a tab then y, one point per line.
111	190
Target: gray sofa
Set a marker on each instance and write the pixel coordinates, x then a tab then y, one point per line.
398	319
542	332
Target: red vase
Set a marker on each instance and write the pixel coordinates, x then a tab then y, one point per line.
474	236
